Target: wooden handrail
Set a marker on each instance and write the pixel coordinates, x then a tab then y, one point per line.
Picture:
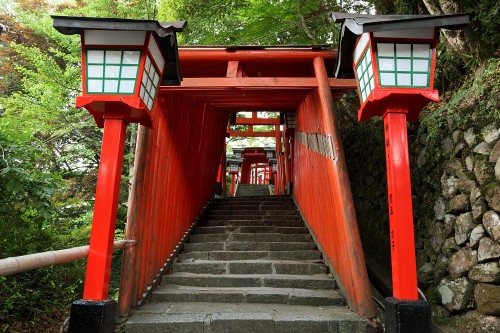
14	265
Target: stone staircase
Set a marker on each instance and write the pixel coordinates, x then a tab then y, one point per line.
249	266
252	190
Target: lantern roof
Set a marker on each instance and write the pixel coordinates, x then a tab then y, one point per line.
234	160
354	25
165	31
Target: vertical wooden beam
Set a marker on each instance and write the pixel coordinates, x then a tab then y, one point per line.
129	276
354	277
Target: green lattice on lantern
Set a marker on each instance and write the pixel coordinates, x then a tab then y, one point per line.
404	64
364	75
112	71
149	83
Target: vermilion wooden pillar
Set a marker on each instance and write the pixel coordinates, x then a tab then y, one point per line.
106	205
233	177
404	275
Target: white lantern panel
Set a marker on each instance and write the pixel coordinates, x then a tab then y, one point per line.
131	57
111	86
129	72
148	86
113	57
95	71
403	50
403	65
142	93
360	47
117	68
95	57
386	64
404	79
127	86
401	69
110	37
387	79
370	70
112	72
156	79
421	50
421	65
385	50
421	80
156	53
364	75
94	86
372	83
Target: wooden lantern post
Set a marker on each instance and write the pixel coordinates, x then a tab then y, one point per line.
393	60
123	64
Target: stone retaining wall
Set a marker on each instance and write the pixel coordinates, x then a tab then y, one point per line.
456	199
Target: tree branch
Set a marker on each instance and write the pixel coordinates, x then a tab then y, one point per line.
304	25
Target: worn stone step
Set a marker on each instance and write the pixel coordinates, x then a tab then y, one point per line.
253	203
175	293
318	281
269	198
244	318
254	217
251	255
246	237
296	222
251	267
252	212
249	246
250	229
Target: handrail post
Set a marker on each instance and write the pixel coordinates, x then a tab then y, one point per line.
130	269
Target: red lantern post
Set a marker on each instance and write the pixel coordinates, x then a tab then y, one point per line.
393	60
123	65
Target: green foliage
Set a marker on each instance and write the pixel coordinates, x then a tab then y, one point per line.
256	22
49	153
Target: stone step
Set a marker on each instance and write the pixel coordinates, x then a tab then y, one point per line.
251	212
263	222
250	229
253	217
252	207
268	198
175	293
249	246
251	255
246	237
319	281
251	267
244	318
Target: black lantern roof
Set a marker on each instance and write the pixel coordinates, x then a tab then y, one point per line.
166	32
354	25
234	160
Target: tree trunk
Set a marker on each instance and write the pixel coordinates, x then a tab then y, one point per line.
455	38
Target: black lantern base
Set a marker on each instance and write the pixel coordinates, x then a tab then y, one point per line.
404	316
92	316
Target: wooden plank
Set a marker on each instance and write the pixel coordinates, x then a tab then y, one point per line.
253	134
259	82
257	121
277	55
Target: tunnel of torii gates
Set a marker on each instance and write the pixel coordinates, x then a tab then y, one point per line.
180	159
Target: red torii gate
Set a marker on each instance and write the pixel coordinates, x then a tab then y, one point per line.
218	81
